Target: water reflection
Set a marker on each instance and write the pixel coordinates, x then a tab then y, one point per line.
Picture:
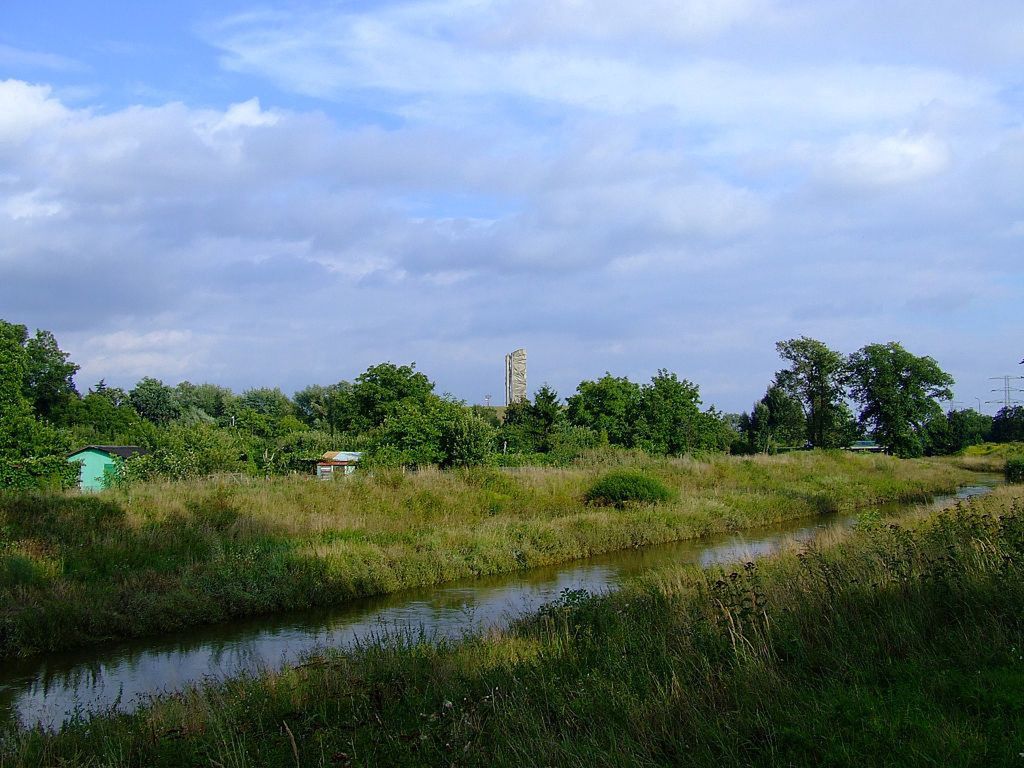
53	689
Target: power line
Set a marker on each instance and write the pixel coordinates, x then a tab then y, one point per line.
1007	390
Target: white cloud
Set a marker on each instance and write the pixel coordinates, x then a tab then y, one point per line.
886	161
25	108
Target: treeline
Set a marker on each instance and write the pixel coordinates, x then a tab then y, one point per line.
394	415
390	412
897	395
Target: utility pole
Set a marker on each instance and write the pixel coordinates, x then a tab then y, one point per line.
1007	390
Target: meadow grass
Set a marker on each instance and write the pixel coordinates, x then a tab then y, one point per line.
79	569
897	643
987	457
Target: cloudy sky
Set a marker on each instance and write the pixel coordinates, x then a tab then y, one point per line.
278	194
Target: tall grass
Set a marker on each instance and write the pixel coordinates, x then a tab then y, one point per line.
896	644
147	559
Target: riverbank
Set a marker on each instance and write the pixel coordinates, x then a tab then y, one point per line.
149	559
891	644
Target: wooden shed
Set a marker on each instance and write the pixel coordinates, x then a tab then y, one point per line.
99	463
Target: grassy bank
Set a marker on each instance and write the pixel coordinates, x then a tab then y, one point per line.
81	569
891	645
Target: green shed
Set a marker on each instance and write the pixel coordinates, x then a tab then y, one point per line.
99	462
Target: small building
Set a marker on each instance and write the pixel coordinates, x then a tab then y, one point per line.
337	462
99	463
865	446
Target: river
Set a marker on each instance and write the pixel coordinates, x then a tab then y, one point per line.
51	690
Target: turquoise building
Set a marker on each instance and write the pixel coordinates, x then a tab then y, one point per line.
99	463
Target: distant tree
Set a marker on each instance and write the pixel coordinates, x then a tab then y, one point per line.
956	431
31	452
378	391
529	426
331	408
816	377
1008	425
411	433
607	406
776	420
49	375
105	416
211	399
487	413
467	440
154	401
668	416
266	401
16	421
899	394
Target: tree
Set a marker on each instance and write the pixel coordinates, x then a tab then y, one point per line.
211	399
816	377
608	406
31	452
898	393
1008	425
776	420
529	426
49	376
154	401
266	401
105	416
668	416
331	408
377	392
467	440
958	430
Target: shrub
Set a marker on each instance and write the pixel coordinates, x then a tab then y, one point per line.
624	486
1015	469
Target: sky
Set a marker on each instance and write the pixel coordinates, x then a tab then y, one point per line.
281	194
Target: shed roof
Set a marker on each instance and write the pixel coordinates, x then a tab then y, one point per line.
121	451
342	456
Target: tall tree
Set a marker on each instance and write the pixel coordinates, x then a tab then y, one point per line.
899	394
816	377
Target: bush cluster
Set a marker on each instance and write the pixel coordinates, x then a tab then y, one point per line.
1015	469
622	486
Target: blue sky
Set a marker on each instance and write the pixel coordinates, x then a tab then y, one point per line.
285	193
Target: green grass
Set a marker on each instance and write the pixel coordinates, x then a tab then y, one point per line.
143	560
894	644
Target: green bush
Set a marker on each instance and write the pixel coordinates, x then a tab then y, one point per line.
1015	469
624	486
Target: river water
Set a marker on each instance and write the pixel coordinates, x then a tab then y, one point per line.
51	690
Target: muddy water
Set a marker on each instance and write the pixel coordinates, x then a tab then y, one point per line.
53	689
